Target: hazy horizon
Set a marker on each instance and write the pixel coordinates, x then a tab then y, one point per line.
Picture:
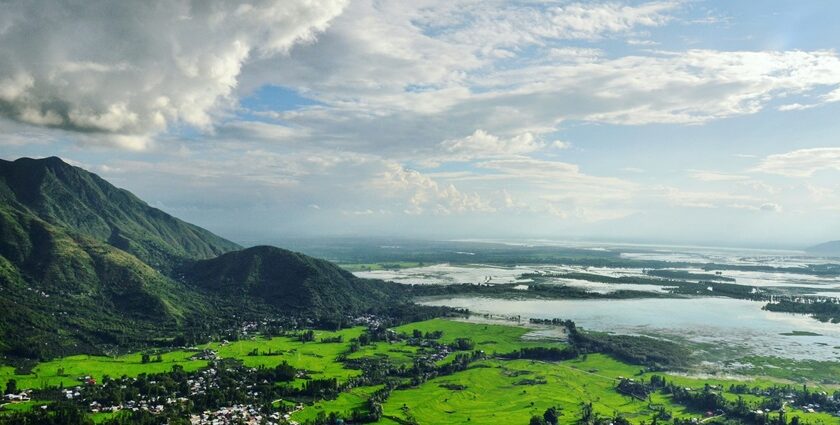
664	122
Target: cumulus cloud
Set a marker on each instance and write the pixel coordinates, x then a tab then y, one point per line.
426	194
482	144
441	110
801	162
136	68
692	87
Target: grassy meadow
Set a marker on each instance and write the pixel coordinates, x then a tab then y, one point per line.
490	391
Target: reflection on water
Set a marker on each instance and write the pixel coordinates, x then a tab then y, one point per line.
730	322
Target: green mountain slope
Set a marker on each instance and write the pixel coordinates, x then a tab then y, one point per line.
64	293
86	267
71	197
289	281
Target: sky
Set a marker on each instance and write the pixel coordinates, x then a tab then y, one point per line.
684	121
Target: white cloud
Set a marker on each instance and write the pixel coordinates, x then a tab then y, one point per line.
708	199
670	87
136	68
481	89
451	67
770	207
447	98
795	107
821	193
560	144
833	96
496	25
425	194
801	163
481	144
716	176
559	188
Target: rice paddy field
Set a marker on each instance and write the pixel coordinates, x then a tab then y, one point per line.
489	391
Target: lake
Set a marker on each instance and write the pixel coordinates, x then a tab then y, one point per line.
739	325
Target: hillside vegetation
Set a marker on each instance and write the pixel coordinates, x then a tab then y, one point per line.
70	197
86	267
289	281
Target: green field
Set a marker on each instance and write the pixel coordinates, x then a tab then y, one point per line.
348	401
489	391
494	393
316	357
492	338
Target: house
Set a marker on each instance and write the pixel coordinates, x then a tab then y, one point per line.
16	398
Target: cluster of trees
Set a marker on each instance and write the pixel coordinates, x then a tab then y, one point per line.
418	335
588	416
654	353
321	388
776	396
306	336
821	308
59	413
633	388
544	353
710	399
147	358
551	416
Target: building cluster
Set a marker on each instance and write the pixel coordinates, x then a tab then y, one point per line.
239	414
20	397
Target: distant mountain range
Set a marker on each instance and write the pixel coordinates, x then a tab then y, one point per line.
86	266
830	249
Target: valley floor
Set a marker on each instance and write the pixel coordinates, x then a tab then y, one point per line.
491	388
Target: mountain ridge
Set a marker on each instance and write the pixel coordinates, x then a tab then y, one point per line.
287	280
86	267
68	196
830	248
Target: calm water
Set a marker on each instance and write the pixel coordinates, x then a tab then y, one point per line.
737	324
446	274
733	327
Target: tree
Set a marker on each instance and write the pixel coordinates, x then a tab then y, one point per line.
536	420
620	420
307	336
11	387
144	358
551	416
586	413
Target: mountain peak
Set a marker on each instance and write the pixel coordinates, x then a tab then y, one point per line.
64	195
288	280
37	164
86	266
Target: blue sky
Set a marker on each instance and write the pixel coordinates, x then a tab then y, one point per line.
708	122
